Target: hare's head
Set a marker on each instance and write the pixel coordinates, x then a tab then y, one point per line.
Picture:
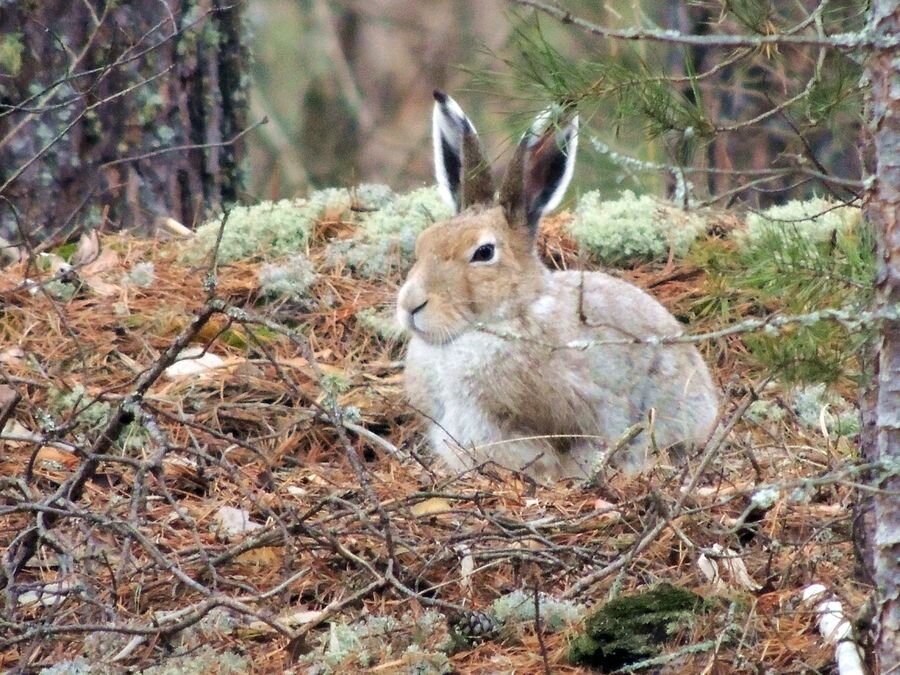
481	265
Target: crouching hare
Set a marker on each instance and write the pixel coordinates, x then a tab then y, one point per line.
492	360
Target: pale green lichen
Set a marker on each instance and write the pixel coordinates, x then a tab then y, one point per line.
203	660
815	404
279	228
93	415
518	606
387	237
382	324
11	49
372	195
290	279
765	411
407	215
142	275
273	228
61	290
632	228
409	643
76	666
814	221
418	662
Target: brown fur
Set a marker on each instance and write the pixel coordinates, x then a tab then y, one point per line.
470	294
491	359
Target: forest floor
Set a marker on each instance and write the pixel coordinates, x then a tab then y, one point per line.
273	510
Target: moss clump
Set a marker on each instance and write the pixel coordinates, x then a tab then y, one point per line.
632	228
631	628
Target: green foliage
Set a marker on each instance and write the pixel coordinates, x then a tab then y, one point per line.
66	251
799	258
623	90
702	107
631	628
833	98
813	221
632	228
793	259
518	607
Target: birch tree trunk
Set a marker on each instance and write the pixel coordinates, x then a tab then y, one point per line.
883	69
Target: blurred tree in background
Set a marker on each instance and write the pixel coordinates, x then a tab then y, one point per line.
138	108
118	113
346	86
773	116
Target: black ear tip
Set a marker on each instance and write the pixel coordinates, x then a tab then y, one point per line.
439	96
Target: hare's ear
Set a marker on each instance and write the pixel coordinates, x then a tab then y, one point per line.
463	174
541	168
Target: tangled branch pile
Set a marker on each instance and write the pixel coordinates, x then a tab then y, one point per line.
212	468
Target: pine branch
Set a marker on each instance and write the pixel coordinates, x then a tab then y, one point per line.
843	41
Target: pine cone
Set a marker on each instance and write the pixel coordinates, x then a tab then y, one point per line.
476	625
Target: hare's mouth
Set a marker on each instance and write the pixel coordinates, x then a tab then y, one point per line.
436	335
436	338
425	326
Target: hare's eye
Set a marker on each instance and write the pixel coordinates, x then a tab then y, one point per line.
484	253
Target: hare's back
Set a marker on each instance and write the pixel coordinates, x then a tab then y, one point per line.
613	306
671	378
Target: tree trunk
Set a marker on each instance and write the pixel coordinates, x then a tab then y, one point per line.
118	113
884	446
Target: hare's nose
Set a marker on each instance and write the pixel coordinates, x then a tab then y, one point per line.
416	309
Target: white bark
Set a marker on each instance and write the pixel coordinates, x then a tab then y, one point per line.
883	71
835	628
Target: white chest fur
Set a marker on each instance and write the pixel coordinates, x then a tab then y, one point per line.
452	377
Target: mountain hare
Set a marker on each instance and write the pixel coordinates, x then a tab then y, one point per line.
497	360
